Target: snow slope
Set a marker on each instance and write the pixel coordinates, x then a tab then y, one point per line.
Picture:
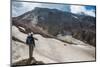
50	50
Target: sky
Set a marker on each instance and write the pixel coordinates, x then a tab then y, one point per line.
19	8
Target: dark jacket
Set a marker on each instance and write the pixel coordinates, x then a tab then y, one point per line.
30	40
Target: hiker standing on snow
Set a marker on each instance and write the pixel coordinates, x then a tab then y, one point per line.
31	42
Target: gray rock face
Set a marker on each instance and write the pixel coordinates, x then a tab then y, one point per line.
56	22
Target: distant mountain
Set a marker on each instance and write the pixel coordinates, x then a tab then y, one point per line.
52	22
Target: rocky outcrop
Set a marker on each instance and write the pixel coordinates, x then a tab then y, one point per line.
26	62
52	22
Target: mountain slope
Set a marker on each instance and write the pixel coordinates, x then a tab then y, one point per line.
52	22
50	50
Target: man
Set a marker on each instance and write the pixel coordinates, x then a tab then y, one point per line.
31	42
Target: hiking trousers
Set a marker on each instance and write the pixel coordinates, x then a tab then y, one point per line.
31	49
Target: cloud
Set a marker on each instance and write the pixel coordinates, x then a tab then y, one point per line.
19	8
82	9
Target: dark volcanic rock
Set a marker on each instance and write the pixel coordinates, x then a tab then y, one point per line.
28	61
51	22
